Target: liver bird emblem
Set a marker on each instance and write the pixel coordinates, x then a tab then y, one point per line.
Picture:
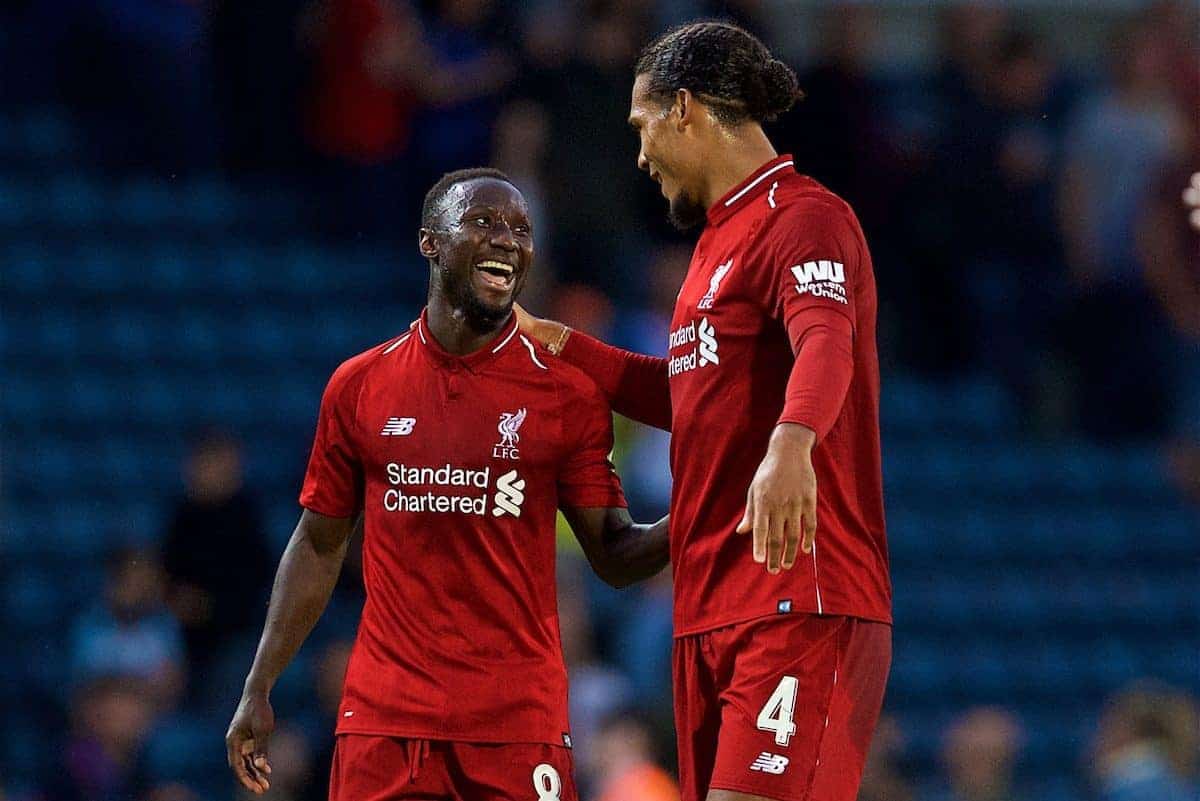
510	422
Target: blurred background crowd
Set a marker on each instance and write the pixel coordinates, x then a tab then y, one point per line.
206	205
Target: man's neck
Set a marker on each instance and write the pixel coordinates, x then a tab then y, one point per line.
735	155
450	328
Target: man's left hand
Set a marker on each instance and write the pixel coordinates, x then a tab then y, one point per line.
781	504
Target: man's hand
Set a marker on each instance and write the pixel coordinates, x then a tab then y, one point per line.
1191	199
781	504
550	333
246	741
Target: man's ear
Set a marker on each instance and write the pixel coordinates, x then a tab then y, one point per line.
685	104
427	243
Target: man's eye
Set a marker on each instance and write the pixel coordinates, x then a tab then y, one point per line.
484	221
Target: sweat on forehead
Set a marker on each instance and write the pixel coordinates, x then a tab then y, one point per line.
454	188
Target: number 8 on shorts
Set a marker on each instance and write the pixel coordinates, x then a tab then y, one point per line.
547	782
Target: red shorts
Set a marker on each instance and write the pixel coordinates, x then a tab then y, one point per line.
782	707
370	768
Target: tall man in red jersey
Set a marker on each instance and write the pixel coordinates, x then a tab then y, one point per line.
455	443
771	392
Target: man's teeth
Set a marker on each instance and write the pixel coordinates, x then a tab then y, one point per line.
499	266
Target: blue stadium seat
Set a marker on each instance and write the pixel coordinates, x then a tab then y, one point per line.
188	749
208	202
27	267
74	201
32	600
16	203
46	133
142	203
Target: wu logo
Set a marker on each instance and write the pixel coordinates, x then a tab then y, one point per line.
398	427
509	426
823	270
822	279
708	343
769	763
510	494
714	284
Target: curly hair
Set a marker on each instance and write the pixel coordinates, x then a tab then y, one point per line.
727	67
433	198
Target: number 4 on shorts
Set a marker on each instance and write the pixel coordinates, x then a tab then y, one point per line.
776	714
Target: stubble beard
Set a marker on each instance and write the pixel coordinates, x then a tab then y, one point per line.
481	317
685	212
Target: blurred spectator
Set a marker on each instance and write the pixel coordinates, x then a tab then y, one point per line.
882	779
171	791
1120	141
602	204
978	753
970	33
519	149
139	71
466	76
111	719
292	775
1168	246
624	765
215	551
583	307
330	677
1146	746
131	634
370	56
258	72
839	132
1019	277
597	689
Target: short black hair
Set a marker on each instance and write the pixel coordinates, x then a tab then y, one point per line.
727	67
433	198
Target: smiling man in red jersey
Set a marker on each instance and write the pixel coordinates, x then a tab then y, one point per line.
771	392
455	443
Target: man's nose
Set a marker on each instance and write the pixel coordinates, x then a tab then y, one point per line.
643	164
502	237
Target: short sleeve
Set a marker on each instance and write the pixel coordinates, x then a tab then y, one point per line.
333	483
588	478
813	250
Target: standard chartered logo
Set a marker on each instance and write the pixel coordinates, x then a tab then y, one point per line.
702	338
450	489
510	494
708	343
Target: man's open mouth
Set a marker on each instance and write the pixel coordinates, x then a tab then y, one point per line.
496	274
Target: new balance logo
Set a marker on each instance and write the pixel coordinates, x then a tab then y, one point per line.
398	427
769	763
510	494
708	343
714	284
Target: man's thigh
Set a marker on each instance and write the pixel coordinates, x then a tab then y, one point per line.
370	768
513	772
697	714
800	705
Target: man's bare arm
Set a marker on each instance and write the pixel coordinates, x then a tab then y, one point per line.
635	384
621	551
304	582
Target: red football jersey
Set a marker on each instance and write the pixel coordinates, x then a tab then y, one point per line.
777	247
459	464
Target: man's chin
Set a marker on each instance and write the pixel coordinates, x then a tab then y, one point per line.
484	316
685	213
